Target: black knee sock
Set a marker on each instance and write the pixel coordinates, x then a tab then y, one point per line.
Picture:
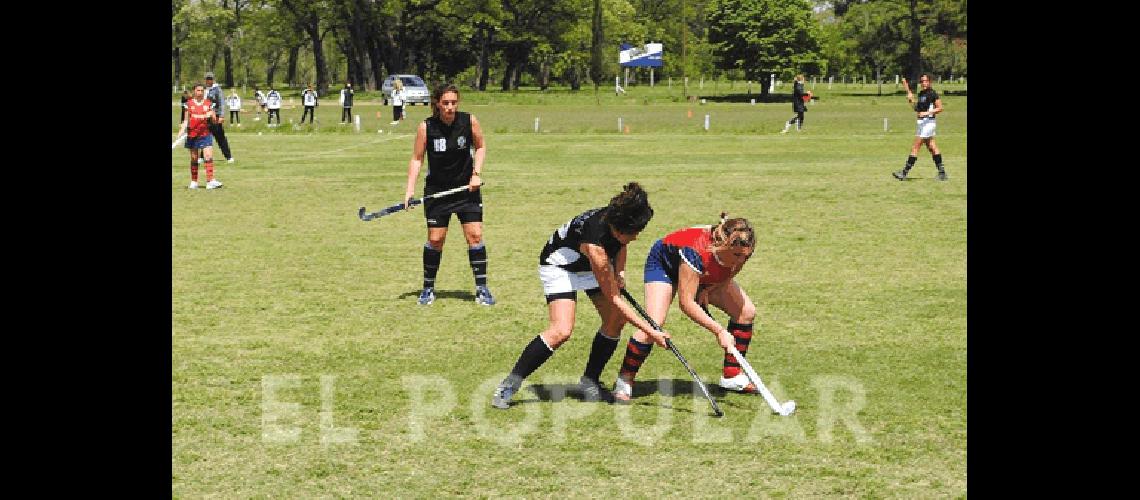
477	256
600	354
635	354
909	163
938	161
533	356
431	264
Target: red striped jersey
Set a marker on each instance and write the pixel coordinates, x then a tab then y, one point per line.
692	246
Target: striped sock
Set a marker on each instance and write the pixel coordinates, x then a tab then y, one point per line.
209	169
477	256
431	264
743	336
635	354
194	170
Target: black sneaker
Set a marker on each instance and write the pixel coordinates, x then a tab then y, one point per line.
483	296
941	176
592	390
900	175
427	296
502	397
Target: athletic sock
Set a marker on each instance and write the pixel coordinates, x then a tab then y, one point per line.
194	170
209	169
431	264
533	356
909	163
477	256
938	161
743	335
600	353
635	354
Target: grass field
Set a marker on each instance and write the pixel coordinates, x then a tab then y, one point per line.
302	366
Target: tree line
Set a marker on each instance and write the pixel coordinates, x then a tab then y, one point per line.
508	43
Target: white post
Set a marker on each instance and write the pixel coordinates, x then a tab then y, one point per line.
896	80
830	80
651	76
772	83
706	122
670	83
886	127
536	124
750	90
626	77
356	121
753	101
619	124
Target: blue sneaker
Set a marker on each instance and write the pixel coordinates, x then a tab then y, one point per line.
483	296
502	397
427	296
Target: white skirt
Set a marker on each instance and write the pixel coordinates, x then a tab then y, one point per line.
925	128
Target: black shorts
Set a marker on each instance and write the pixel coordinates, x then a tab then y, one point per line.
467	205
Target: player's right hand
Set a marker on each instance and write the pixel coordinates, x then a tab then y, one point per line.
658	337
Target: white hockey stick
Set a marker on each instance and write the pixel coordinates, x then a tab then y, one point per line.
783	409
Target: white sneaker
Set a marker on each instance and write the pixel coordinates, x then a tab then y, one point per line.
739	383
231	160
214	184
193	185
394	123
623	391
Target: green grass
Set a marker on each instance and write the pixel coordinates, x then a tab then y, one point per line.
860	283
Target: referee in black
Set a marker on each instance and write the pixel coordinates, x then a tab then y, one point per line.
455	151
214	94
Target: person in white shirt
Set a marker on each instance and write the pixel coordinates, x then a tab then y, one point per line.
309	99
234	104
273	102
397	101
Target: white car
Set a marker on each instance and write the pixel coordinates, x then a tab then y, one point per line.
415	90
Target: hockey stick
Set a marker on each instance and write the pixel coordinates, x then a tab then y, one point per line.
669	344
364	216
783	409
181	138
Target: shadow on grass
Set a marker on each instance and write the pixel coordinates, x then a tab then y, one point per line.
666	387
442	294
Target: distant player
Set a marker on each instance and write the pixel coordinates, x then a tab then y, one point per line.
199	114
927	106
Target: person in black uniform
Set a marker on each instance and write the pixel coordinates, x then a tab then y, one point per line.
798	105
927	106
455	151
214	94
185	97
346	103
587	253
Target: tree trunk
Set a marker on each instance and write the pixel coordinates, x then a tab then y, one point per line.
177	67
915	42
291	70
596	46
505	83
484	56
228	58
377	58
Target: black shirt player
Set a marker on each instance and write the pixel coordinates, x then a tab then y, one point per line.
453	142
587	253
